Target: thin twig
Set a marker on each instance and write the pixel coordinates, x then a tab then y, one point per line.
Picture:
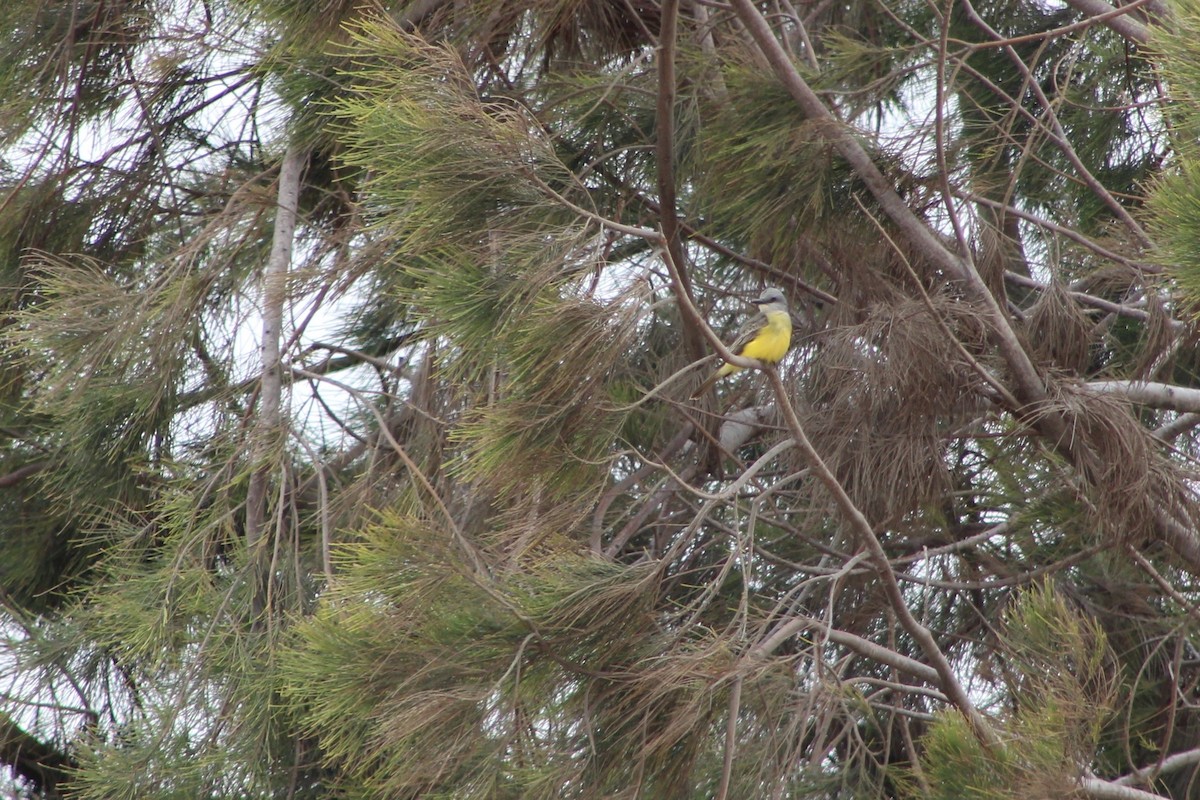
1059	137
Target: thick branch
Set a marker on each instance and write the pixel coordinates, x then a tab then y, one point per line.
1115	18
24	471
1151	393
1083	298
274	295
1169	764
665	152
1104	790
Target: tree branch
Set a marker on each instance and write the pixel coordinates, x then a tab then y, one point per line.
32	759
1169	764
1115	18
865	534
665	158
1150	393
1029	388
274	296
266	428
22	472
1106	790
1059	136
851	641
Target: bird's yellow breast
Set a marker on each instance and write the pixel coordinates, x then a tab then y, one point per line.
772	342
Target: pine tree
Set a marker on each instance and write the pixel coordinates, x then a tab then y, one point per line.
347	432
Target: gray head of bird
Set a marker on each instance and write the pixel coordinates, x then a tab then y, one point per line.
771	297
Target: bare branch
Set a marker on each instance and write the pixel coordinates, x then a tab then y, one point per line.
1116	18
1151	393
665	159
1169	764
1059	136
1107	790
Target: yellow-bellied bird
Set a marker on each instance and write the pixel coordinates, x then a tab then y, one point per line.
766	337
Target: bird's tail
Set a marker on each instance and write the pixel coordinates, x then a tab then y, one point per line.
725	369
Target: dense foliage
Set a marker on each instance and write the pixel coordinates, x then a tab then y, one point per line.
346	447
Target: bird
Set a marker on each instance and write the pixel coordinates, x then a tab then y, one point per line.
766	337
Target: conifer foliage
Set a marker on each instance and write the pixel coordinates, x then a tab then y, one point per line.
346	446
